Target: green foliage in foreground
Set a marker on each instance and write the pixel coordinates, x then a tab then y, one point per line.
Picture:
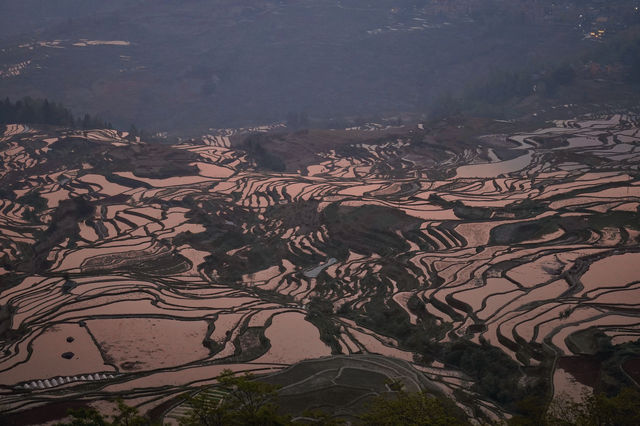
413	409
245	401
127	416
595	409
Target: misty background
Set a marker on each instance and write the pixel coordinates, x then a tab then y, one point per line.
189	65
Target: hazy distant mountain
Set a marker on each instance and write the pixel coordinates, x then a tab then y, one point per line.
195	64
27	16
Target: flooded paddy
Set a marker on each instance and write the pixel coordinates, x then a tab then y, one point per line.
149	343
612	271
292	339
489	170
46	359
163	281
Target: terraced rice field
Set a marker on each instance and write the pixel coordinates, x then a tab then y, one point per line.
148	280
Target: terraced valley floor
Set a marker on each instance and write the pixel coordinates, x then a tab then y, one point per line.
143	270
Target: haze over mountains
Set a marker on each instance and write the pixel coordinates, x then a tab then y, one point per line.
167	65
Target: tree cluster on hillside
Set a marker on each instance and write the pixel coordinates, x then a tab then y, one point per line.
254	146
622	409
490	96
41	111
418	408
617	59
245	402
593	409
126	416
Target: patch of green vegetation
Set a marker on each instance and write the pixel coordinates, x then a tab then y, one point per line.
616	219
223	236
246	402
243	400
37	203
595	343
612	378
524	209
388	318
471	213
368	229
621	409
6	193
515	233
394	269
259	255
326	285
274	296
9	279
510	93
499	92
8	334
41	111
258	252
73	151
64	224
320	314
254	145
131	183
588	342
299	213
495	374
251	343
414	409
125	416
